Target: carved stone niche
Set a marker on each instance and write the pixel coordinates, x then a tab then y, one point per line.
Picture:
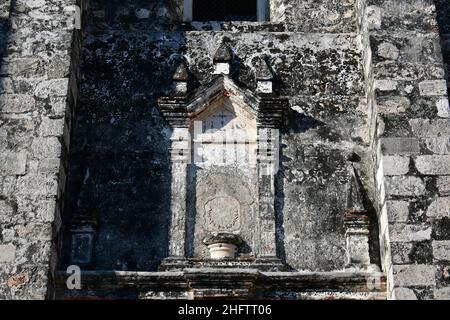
224	161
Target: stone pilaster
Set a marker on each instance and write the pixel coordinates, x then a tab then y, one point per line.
180	159
174	112
270	119
268	142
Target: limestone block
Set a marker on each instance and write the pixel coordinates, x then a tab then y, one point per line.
13	163
430	128
433	88
400	146
414	275
402	232
433	165
46	147
404	186
439	208
7	253
441	250
443	108
54	87
51	127
438	145
395	165
442	294
404	294
443	185
16	103
398	211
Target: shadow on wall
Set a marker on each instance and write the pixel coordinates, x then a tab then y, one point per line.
5	25
443	17
119	149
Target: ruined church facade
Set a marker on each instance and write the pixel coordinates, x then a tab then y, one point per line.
270	149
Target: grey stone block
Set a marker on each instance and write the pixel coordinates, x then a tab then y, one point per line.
51	127
16	103
395	165
438	145
442	293
430	128
399	146
414	275
439	208
398	211
46	147
404	294
433	165
54	87
7	253
404	186
441	250
402	232
443	185
13	163
433	88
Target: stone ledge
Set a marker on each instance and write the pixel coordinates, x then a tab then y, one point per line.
225	283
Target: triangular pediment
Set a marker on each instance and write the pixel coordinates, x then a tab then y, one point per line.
222	90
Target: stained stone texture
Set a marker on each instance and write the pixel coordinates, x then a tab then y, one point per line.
38	46
366	83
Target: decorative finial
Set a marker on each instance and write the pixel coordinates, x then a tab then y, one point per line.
181	77
222	59
223	54
264	77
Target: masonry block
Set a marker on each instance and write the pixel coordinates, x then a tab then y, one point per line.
16	103
402	232
433	165
395	165
433	88
404	186
441	250
439	208
13	163
414	275
400	146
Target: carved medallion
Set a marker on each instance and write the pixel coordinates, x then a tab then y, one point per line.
222	213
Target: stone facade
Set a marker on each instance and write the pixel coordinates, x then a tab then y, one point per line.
359	209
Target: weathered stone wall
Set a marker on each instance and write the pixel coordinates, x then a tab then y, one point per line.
368	92
38	93
411	146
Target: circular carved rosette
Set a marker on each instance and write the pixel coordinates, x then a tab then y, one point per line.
222	213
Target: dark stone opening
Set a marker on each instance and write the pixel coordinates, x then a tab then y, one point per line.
221	10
